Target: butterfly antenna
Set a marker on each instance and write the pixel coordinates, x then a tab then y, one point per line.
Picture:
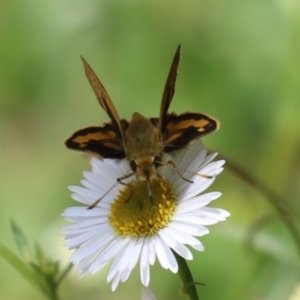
176	170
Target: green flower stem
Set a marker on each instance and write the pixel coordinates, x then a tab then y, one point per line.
19	265
188	285
64	273
26	271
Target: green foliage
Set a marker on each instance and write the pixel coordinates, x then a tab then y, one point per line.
240	64
40	271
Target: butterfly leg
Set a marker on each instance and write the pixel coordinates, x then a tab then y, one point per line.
119	180
132	191
124	183
204	175
176	170
97	201
199	174
124	177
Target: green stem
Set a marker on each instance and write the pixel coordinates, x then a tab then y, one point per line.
51	293
188	285
19	265
277	201
27	273
63	274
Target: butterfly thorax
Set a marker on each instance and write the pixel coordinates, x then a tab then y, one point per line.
143	148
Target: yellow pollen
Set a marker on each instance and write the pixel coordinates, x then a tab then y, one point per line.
135	213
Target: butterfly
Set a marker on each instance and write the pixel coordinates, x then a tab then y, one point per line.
142	141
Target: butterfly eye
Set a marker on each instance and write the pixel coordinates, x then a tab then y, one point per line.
133	165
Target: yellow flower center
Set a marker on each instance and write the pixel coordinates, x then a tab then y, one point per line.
134	213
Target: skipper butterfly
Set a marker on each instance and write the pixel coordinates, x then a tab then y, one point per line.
143	142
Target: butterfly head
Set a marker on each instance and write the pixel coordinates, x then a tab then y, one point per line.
146	168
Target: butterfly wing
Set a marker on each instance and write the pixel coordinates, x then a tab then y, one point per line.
177	131
103	98
182	129
103	141
169	91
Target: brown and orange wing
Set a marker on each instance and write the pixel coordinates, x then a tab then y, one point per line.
103	98
182	129
103	141
169	91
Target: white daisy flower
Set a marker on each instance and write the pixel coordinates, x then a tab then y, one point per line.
126	226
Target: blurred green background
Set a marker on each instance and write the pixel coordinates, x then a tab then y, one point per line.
240	64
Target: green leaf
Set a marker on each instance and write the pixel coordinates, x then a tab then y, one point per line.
21	241
23	269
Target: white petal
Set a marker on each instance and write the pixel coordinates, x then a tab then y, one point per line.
184	238
92	247
177	247
70	233
93	178
96	190
135	255
165	256
115	282
115	247
82	199
217	213
85	192
106	169
145	275
125	275
114	266
197	202
189	190
80	239
126	254
83	265
151	248
161	255
188	228
145	266
83	212
85	224
131	255
213	168
197	218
